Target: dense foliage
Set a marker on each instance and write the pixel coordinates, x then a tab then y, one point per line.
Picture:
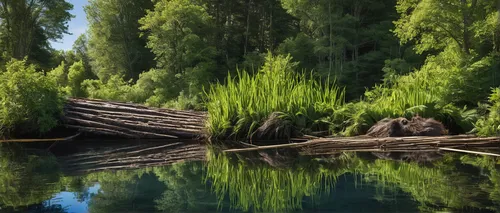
29	101
435	58
115	45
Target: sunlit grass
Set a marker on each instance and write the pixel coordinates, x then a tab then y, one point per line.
239	106
411	95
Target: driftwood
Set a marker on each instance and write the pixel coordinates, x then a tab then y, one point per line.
40	139
131	156
325	146
132	120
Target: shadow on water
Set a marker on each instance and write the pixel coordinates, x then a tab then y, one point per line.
107	176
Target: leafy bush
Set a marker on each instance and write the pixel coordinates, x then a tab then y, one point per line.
76	75
115	89
489	125
60	77
29	101
242	104
185	102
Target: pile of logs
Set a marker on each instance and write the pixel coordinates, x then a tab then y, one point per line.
132	120
131	156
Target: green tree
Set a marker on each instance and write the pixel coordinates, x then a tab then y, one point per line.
81	50
27	25
114	42
180	37
346	40
434	24
461	53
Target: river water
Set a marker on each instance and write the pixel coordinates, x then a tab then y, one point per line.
33	179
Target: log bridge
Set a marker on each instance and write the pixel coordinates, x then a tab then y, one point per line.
133	121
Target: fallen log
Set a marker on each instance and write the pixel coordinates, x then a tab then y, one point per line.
128	120
40	139
323	146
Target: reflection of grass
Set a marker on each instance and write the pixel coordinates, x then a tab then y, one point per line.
440	185
436	186
184	189
489	167
262	188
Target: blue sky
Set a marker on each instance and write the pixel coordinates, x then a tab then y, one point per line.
77	26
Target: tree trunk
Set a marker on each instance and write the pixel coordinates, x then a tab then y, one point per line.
496	35
247	30
466	23
330	54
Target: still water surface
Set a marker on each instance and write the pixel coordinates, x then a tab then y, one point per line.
33	180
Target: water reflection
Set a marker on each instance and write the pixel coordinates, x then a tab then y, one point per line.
32	180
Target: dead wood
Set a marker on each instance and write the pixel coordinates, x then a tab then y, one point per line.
389	144
128	120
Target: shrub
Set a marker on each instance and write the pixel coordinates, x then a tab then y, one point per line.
76	75
115	89
29	101
489	125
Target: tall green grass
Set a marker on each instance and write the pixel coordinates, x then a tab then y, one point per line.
418	93
239	106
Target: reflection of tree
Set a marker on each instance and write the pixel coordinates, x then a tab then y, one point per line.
36	208
26	179
175	188
490	168
125	191
185	189
78	186
443	184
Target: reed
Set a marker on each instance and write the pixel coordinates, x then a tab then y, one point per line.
238	107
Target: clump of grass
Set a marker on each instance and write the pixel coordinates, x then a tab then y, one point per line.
240	106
